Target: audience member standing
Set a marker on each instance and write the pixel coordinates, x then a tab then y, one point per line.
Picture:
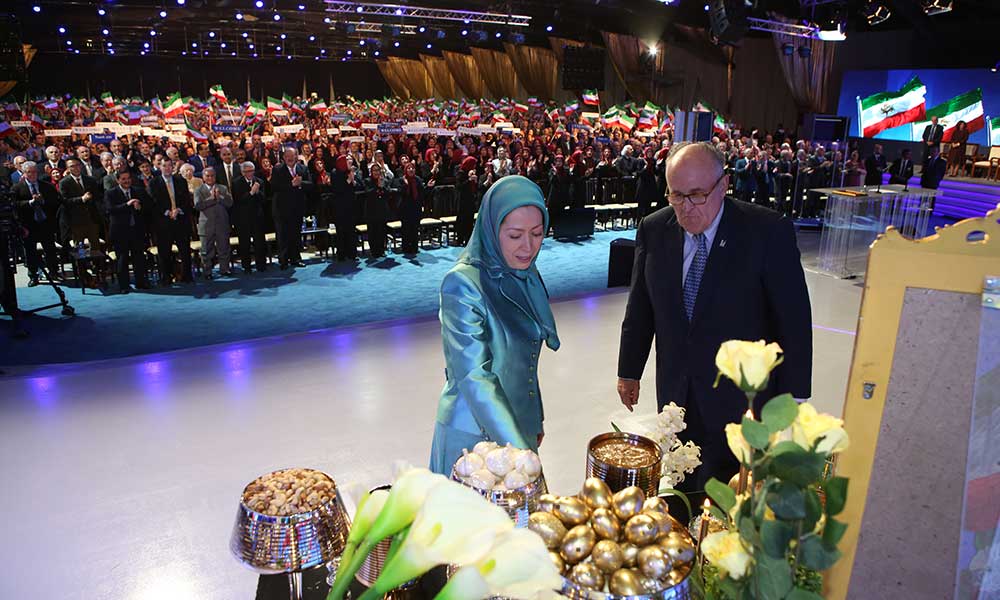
37	203
875	165
80	218
173	207
377	192
123	204
289	185
213	200
468	199
345	183
249	202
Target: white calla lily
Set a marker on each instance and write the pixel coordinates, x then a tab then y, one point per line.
518	566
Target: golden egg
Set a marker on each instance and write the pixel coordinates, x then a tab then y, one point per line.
654	562
625	582
558	562
651	585
596	493
547	502
676	576
664	524
588	576
678	547
608	556
641	530
577	544
655	504
606	525
628	503
548	527
630	552
571	511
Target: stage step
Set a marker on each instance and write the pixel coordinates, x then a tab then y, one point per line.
962	199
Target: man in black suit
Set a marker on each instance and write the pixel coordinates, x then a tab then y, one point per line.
875	165
229	170
123	205
80	218
901	171
249	194
289	185
202	159
934	170
91	164
933	134
38	203
172	210
784	181
709	269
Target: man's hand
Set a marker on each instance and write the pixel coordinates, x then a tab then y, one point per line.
628	391
254	188
133	203
87	196
297	181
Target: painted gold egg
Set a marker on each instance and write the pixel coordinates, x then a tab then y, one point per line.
641	530
630	552
577	544
558	561
547	502
650	585
628	503
596	493
606	525
548	527
676	576
588	576
571	511
664	524
625	582
655	504
654	562
678	547
608	556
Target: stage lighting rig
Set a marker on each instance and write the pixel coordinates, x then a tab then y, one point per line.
424	13
936	7
876	12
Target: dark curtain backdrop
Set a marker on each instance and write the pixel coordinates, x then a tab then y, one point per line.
761	97
444	83
498	73
121	76
393	79
537	69
412	74
466	73
808	78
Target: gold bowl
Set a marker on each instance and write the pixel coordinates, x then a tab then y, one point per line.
618	476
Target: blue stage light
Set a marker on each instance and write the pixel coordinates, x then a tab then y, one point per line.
259	3
211	34
36	8
239	16
62	30
465	32
428	46
101	12
277	17
548	28
163	14
396	44
312	38
282	36
422	29
440	34
180	2
105	31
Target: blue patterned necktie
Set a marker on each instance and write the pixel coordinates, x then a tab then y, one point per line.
693	280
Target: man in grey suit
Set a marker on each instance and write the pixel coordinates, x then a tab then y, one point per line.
213	201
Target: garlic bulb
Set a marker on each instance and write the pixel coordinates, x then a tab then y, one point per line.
468	464
499	462
515	480
529	464
484	448
482	479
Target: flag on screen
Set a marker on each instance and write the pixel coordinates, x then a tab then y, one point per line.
966	107
591	98
217	94
995	131
891	109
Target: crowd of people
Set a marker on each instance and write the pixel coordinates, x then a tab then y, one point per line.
137	192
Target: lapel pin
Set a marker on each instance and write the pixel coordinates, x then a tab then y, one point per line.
722	243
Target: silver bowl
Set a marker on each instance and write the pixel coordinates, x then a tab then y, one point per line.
680	591
519	503
275	545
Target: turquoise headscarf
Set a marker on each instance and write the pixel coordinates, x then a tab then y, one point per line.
483	250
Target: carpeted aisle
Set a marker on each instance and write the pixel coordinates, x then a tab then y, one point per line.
319	296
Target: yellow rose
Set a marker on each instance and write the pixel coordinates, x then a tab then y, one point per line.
748	364
738	444
810	426
725	550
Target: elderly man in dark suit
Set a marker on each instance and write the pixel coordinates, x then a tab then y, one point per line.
38	203
875	165
290	184
934	170
249	210
80	218
709	269
173	208
123	205
901	171
933	134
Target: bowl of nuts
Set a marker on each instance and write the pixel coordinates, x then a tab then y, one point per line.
288	521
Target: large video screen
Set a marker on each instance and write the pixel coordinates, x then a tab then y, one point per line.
897	104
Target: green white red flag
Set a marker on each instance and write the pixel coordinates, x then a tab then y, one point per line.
966	107
891	109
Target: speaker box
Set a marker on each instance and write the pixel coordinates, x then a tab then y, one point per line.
620	260
583	68
727	20
572	223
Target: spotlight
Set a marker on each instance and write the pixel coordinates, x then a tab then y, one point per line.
361	9
239	16
222	45
211	34
109	44
105	31
232	54
76	51
805	51
302	7
465	32
361	43
421	29
466	21
289	57
259	3
111	51
69	42
194	44
277	17
316	58
350	52
396	44
282	36
931	7
428	46
145	44
322	50
326	20
788	49
180	2
278	49
548	28
62	30
101	12
707	8
163	14
835	34
36	8
343	59
653	50
250	46
498	35
184	53
376	53
399	12
255	55
245	35
312	38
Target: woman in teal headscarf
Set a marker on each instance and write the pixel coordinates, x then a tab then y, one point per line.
495	315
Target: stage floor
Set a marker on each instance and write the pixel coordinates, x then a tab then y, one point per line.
124	477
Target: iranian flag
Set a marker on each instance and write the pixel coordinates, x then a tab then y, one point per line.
6	129
274	104
571	108
193	131
217	94
626	122
719	124
892	109
157	106
966	107
647	120
107	99
286	100
175	106
995	131
319	106
521	108
37	122
590	98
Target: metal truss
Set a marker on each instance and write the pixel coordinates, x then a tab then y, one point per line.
419	12
792	29
365	27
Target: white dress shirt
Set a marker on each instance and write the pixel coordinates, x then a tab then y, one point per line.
691	246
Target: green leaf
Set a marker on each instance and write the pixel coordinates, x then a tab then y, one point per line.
756	433
786	446
801	594
774	576
799	467
787	501
833	531
748	530
730	588
774	537
722	494
715	510
679	494
817	555
779	413
814	510
615	427
836	495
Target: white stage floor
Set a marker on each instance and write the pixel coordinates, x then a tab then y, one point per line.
123	477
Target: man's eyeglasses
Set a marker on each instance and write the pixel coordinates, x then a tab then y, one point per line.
696	199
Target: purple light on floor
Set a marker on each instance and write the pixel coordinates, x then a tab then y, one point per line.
44	391
152	367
